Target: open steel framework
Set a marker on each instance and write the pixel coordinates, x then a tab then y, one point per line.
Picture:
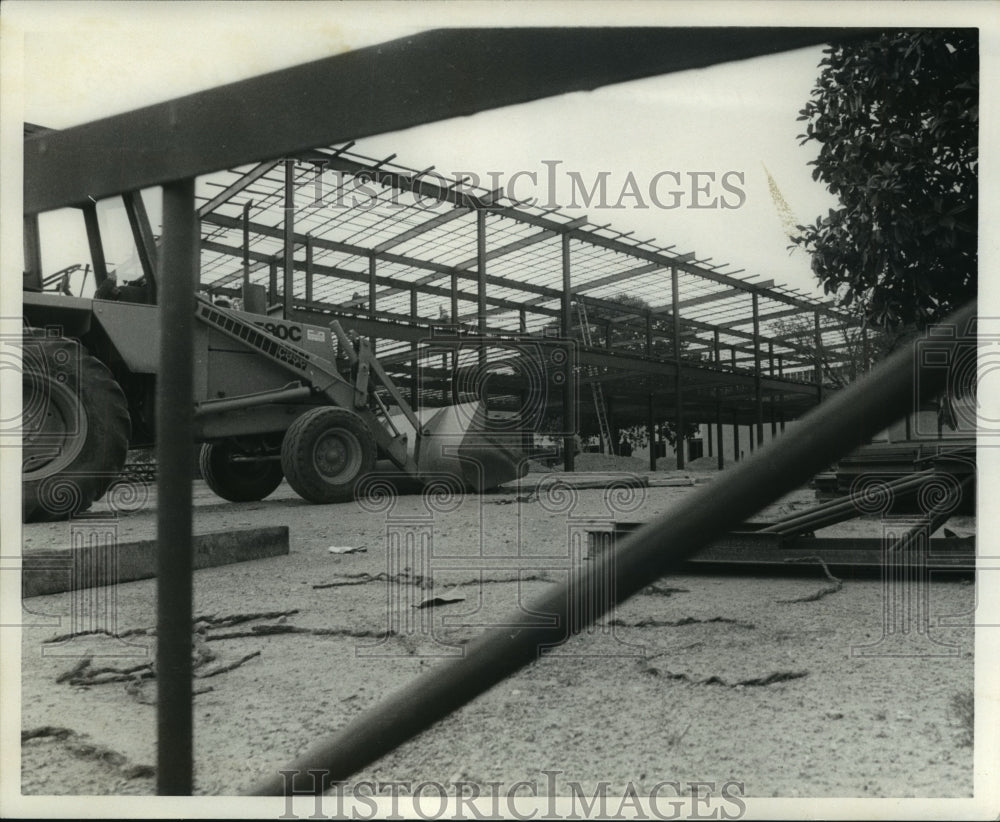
381	89
409	257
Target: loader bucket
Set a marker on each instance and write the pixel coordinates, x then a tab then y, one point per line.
457	442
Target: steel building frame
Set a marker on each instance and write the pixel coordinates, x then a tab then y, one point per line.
171	144
455	259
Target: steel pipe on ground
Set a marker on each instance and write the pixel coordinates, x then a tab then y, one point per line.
831	430
840	510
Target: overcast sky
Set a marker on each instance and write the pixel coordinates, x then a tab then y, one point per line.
85	61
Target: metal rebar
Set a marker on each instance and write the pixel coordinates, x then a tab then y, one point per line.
174	436
829	431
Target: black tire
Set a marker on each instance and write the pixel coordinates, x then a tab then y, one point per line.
325	453
234	479
75	428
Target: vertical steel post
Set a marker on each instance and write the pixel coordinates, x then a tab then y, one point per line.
309	268
246	248
289	237
651	431
174	438
750	437
678	399
415	364
481	279
94	241
32	253
609	408
718	434
736	436
454	300
709	431
569	386
758	397
523	321
372	309
272	281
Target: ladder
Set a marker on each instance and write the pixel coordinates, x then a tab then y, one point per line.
599	405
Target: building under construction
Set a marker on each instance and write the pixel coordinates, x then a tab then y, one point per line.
468	292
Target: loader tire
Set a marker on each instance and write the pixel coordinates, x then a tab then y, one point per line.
325	453
237	480
75	428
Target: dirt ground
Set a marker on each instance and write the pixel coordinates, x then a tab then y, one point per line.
758	679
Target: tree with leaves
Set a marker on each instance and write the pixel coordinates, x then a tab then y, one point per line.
896	119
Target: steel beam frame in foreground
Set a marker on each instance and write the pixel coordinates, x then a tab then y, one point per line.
178	277
382	88
831	430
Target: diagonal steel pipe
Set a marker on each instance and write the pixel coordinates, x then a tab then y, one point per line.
827	433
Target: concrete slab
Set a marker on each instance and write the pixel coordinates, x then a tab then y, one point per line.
96	558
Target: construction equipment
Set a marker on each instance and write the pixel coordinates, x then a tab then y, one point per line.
273	399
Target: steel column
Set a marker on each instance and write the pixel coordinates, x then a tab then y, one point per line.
94	241
32	253
651	431
246	247
309	268
678	399
736	437
174	438
415	365
288	226
718	434
481	314
569	386
372	311
758	399
272	282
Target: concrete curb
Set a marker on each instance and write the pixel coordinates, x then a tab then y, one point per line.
96	558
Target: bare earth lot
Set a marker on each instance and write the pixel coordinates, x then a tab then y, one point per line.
709	678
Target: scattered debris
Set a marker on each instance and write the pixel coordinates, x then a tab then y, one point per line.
664	590
822	592
678	623
266	630
440	599
347	549
221	669
756	682
79	745
363	578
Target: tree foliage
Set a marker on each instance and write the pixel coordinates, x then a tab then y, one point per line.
896	120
